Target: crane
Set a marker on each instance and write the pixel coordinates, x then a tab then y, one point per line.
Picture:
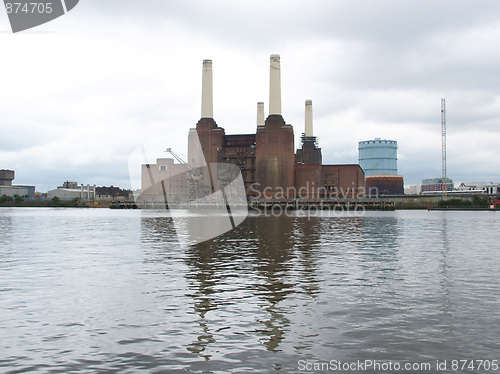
193	175
180	160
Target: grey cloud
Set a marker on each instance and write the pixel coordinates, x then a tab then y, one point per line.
384	64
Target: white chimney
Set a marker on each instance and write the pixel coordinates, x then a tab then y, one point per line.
275	86
260	114
309	118
207	102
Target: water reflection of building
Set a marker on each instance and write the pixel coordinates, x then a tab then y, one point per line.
203	283
257	265
307	234
158	237
274	255
243	285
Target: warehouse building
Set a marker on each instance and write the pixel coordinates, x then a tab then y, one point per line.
70	191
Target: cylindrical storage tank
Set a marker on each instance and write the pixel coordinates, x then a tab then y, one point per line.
381	185
378	156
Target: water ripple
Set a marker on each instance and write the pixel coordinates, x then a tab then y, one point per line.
112	291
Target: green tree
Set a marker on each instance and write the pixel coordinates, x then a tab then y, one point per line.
5	199
55	201
455	203
479	201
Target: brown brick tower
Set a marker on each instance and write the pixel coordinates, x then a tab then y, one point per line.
309	153
274	156
207	134
308	181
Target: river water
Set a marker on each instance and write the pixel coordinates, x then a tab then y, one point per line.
112	291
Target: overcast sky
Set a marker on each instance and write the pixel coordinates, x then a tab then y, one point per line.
79	94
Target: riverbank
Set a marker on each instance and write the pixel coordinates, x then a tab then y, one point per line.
41	204
53	204
416	202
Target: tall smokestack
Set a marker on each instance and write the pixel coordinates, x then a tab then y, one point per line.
207	102
309	118
260	114
275	86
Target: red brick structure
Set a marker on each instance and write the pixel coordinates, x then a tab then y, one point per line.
274	158
308	181
269	163
343	180
385	184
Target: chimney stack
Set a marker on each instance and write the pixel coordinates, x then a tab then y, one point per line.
207	102
309	118
260	114
275	86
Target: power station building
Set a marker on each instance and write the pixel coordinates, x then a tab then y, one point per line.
270	165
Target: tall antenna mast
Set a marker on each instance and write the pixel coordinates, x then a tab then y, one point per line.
443	145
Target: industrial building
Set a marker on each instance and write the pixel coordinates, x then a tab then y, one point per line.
270	165
70	191
379	160
164	176
6	187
